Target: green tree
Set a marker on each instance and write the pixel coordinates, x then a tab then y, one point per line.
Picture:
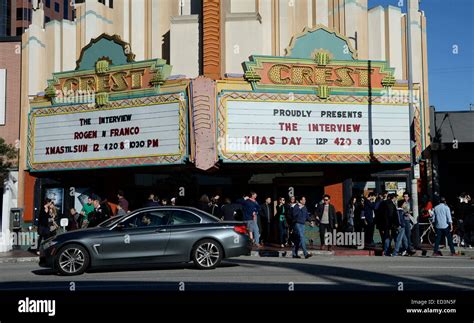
8	158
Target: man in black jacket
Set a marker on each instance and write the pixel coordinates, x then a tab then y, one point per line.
388	221
326	216
98	215
266	217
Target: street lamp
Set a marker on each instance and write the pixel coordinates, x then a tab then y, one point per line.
414	181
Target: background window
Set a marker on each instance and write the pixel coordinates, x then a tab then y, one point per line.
48	3
66	9
19	13
56	7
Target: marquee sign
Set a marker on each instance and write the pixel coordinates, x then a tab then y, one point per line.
253	128
146	131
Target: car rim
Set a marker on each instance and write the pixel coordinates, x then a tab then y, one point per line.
207	254
71	260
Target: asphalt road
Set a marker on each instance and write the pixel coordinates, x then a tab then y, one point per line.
261	273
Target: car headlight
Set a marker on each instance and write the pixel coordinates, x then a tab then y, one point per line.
49	244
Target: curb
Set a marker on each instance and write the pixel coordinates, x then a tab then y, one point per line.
286	253
9	260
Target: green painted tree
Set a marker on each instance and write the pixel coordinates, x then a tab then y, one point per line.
8	156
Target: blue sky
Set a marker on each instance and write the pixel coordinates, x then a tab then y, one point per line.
450	76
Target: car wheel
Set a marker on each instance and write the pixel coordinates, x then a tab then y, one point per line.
72	259
207	254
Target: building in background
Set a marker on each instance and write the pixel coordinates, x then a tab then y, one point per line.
16	15
207	43
452	152
10	90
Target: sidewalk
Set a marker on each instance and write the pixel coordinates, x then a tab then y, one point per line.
276	251
271	250
15	256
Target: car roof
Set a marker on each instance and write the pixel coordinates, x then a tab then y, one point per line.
177	207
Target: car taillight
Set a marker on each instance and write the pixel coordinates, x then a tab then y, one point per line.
240	229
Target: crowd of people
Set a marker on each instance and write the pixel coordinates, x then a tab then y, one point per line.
283	221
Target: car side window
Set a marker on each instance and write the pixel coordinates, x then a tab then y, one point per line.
147	219
179	217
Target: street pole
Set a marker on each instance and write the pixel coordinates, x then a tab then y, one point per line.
414	181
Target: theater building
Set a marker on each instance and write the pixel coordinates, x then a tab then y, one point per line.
304	99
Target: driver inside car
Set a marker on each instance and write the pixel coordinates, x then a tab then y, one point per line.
146	221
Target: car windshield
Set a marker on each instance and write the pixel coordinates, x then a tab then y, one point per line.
110	222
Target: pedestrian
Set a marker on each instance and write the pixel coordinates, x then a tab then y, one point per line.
300	216
214	206
152	201
443	227
461	212
98	215
266	216
72	220
401	239
326	216
107	209
53	219
88	207
380	206
408	219
251	209
387	221
359	216
44	231
122	201
229	210
289	218
350	212
120	211
204	203
280	216
173	201
369	218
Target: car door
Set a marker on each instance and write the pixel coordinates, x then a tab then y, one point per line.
185	229
141	238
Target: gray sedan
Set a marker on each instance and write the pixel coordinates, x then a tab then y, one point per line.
148	236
